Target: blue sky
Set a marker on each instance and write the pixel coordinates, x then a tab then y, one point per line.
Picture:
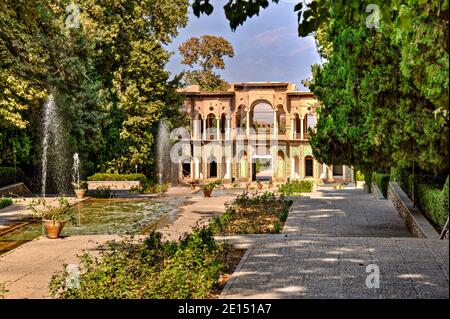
267	47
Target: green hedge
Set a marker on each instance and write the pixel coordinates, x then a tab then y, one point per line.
11	175
4	202
434	203
382	181
296	187
368	181
118	177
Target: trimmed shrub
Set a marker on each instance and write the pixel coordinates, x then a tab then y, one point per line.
296	187
4	202
118	177
360	176
432	202
11	175
382	181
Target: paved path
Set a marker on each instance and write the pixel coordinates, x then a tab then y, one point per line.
328	242
27	269
345	213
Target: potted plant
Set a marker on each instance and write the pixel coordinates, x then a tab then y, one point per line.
208	188
79	189
54	217
259	184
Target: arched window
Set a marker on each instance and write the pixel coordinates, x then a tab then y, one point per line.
223	123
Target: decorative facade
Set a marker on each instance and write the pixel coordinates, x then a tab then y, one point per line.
253	131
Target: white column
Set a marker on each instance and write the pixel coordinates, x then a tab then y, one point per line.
192	169
197	168
331	172
218	128
248	124
228	172
324	171
301	128
228	128
204	128
343	172
292	128
275	125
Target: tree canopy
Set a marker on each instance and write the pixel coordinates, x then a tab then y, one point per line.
207	53
104	62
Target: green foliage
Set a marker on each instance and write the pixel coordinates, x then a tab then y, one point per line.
256	214
296	187
368	181
434	203
150	270
360	176
382	181
11	175
118	177
4	202
44	210
208	53
107	76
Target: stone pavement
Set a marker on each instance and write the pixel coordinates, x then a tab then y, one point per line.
329	240
27	269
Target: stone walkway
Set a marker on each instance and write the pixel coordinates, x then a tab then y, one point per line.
328	242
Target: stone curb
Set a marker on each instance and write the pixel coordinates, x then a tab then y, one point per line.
413	217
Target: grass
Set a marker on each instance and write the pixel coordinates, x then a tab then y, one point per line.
4	202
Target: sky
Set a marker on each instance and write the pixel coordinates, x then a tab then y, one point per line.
267	47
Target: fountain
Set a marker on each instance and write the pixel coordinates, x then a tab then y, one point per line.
76	169
53	149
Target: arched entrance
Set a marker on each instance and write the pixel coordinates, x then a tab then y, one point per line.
262	117
281	165
212	167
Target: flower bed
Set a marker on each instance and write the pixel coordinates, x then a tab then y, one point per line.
257	214
194	267
296	187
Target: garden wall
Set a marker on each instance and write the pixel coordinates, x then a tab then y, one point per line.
413	217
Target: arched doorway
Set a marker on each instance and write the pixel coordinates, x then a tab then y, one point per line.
210	125
212	167
241	118
309	166
281	164
243	166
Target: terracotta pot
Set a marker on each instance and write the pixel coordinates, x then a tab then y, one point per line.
79	193
207	193
53	228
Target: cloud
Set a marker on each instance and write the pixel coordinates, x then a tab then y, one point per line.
271	37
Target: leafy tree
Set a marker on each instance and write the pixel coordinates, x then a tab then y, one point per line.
208	53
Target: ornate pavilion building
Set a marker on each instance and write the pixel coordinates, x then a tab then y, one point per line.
253	131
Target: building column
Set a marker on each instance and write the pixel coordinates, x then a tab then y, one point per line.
301	128
248	125
192	168
275	124
324	171
292	128
228	128
228	170
218	128
344	175
331	172
204	128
